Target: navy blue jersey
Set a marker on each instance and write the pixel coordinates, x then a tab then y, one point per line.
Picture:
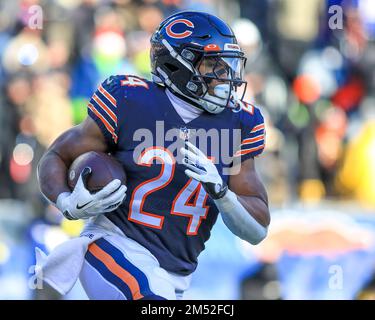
167	212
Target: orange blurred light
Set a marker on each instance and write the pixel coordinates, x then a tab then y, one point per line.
306	89
19	173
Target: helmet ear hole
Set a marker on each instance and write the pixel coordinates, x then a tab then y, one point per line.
171	67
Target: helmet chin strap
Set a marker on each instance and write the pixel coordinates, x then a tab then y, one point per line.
220	100
211	107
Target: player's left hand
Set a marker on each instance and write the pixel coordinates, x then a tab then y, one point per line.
203	170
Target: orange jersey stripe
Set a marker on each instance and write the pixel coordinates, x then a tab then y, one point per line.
246	151
252	140
105	122
116	269
105	108
108	95
258	127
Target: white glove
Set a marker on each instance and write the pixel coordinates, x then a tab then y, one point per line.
81	204
203	170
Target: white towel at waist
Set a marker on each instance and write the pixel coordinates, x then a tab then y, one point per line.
61	268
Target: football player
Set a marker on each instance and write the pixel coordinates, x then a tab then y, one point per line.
156	226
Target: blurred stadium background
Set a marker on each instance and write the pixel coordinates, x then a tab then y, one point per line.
310	69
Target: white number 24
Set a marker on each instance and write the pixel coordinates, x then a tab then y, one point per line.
190	202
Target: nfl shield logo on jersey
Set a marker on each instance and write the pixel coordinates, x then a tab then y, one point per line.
184	133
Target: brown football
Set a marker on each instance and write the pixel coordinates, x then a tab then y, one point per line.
104	169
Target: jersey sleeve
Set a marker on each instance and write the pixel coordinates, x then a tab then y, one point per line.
253	133
102	108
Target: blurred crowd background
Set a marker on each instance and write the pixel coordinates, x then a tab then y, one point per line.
311	71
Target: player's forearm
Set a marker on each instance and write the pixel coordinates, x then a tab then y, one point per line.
242	222
52	173
257	207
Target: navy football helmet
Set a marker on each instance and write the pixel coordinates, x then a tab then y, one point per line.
197	57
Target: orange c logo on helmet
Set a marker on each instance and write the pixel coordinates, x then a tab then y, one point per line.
212	47
182	34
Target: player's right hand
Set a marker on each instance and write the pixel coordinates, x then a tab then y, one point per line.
81	204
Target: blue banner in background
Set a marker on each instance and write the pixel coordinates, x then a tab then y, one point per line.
227	261
319	277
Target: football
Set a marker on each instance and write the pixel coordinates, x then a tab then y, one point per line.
104	169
